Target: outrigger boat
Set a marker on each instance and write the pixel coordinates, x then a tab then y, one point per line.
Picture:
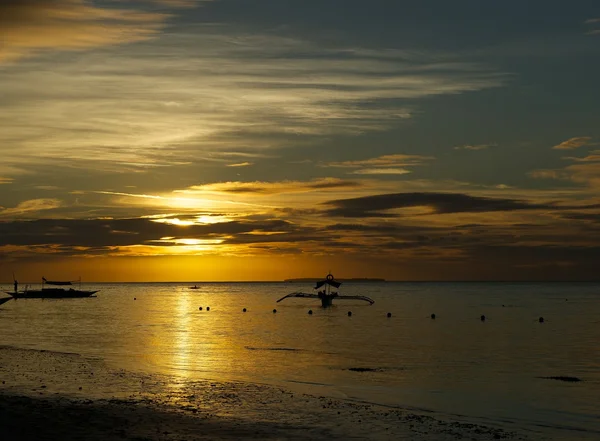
51	293
326	294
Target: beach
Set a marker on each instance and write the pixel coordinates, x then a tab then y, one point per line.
140	360
52	395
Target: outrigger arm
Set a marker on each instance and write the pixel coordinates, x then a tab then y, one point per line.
299	294
315	296
365	298
326	295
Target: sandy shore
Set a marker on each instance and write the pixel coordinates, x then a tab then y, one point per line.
48	395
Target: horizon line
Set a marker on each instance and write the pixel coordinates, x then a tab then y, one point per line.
310	279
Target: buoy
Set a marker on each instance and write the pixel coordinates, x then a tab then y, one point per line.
274	311
349	313
208	308
389	314
244	310
483	318
310	312
541	319
200	309
432	316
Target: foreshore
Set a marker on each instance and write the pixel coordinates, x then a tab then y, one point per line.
48	395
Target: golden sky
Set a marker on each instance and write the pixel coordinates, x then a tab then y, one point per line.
261	140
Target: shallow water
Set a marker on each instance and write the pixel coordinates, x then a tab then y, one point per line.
455	364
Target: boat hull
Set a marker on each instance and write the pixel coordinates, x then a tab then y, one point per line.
327	300
5	299
51	293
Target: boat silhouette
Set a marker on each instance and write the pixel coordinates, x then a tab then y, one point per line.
325	293
51	292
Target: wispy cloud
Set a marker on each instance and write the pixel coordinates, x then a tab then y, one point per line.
593	22
240	164
395	164
219	90
30	207
585	170
180	3
278	187
396	160
30	26
548	174
574	143
474	147
380	171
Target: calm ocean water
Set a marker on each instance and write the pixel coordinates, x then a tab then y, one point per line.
455	364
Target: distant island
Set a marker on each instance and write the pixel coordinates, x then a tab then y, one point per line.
316	279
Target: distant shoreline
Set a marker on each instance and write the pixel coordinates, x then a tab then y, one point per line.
9	284
316	279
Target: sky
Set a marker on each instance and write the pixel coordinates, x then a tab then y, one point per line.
213	140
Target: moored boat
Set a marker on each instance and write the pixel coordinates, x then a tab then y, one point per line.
325	294
51	292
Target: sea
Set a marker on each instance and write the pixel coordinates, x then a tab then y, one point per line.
511	367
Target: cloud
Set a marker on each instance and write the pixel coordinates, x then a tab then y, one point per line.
137	108
382	165
593	21
475	147
180	3
241	164
396	160
574	143
30	26
380	171
585	170
548	174
47	187
31	207
437	203
124	232
271	188
514	244
594	156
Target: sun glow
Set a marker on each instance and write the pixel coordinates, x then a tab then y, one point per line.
192	242
175	221
206	220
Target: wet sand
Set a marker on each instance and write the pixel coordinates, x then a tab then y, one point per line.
48	395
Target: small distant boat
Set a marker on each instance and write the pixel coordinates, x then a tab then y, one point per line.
5	299
51	293
194	287
326	295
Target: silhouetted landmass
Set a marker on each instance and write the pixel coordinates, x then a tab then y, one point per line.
316	279
361	369
563	378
